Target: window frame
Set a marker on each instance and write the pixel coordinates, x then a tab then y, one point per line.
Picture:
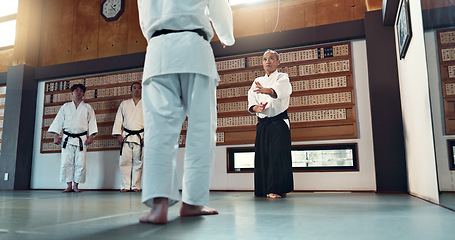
4	19
353	146
450	146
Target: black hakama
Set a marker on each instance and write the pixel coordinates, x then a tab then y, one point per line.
272	160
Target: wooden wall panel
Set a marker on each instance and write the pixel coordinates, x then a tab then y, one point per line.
373	5
73	30
254	18
56	32
261	18
113	36
85	30
291	17
28	25
136	41
359	7
6	59
332	11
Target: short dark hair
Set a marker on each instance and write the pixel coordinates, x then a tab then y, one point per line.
131	87
75	86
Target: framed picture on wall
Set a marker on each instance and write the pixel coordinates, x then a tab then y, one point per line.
451	146
403	26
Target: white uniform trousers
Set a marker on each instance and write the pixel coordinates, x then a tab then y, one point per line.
131	166
167	100
73	167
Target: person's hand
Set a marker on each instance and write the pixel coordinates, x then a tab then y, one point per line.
89	140
120	139
222	43
57	139
259	108
263	90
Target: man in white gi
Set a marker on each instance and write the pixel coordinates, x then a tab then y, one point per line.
129	130
180	80
268	98
76	119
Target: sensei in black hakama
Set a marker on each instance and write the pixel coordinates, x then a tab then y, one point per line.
268	98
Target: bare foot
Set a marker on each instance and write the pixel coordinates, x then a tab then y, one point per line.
68	190
273	195
76	188
158	213
191	210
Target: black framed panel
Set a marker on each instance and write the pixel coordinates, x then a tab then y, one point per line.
305	158
403	26
451	146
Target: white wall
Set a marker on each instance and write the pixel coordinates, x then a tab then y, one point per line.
415	104
446	178
103	173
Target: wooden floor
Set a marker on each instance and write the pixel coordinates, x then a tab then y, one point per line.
113	215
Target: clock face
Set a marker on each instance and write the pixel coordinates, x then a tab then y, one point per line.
112	9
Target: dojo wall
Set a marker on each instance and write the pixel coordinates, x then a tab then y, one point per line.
416	112
73	30
446	177
103	173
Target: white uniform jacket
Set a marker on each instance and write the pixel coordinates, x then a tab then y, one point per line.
179	52
279	82
129	116
75	121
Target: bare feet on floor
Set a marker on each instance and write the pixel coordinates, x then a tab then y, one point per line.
68	190
191	210
76	188
158	213
273	195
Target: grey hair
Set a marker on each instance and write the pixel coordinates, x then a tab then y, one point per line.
274	52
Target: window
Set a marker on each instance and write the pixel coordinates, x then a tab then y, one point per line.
8	12
340	157
451	146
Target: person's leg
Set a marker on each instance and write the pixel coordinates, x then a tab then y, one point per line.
199	97
260	161
126	166
163	118
280	179
79	167
67	168
137	167
69	187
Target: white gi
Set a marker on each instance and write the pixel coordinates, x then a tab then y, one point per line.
129	116
74	121
279	82
180	80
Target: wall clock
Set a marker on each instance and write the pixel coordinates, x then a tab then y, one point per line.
111	10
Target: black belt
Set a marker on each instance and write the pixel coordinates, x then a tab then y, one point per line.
167	31
283	115
131	133
74	135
